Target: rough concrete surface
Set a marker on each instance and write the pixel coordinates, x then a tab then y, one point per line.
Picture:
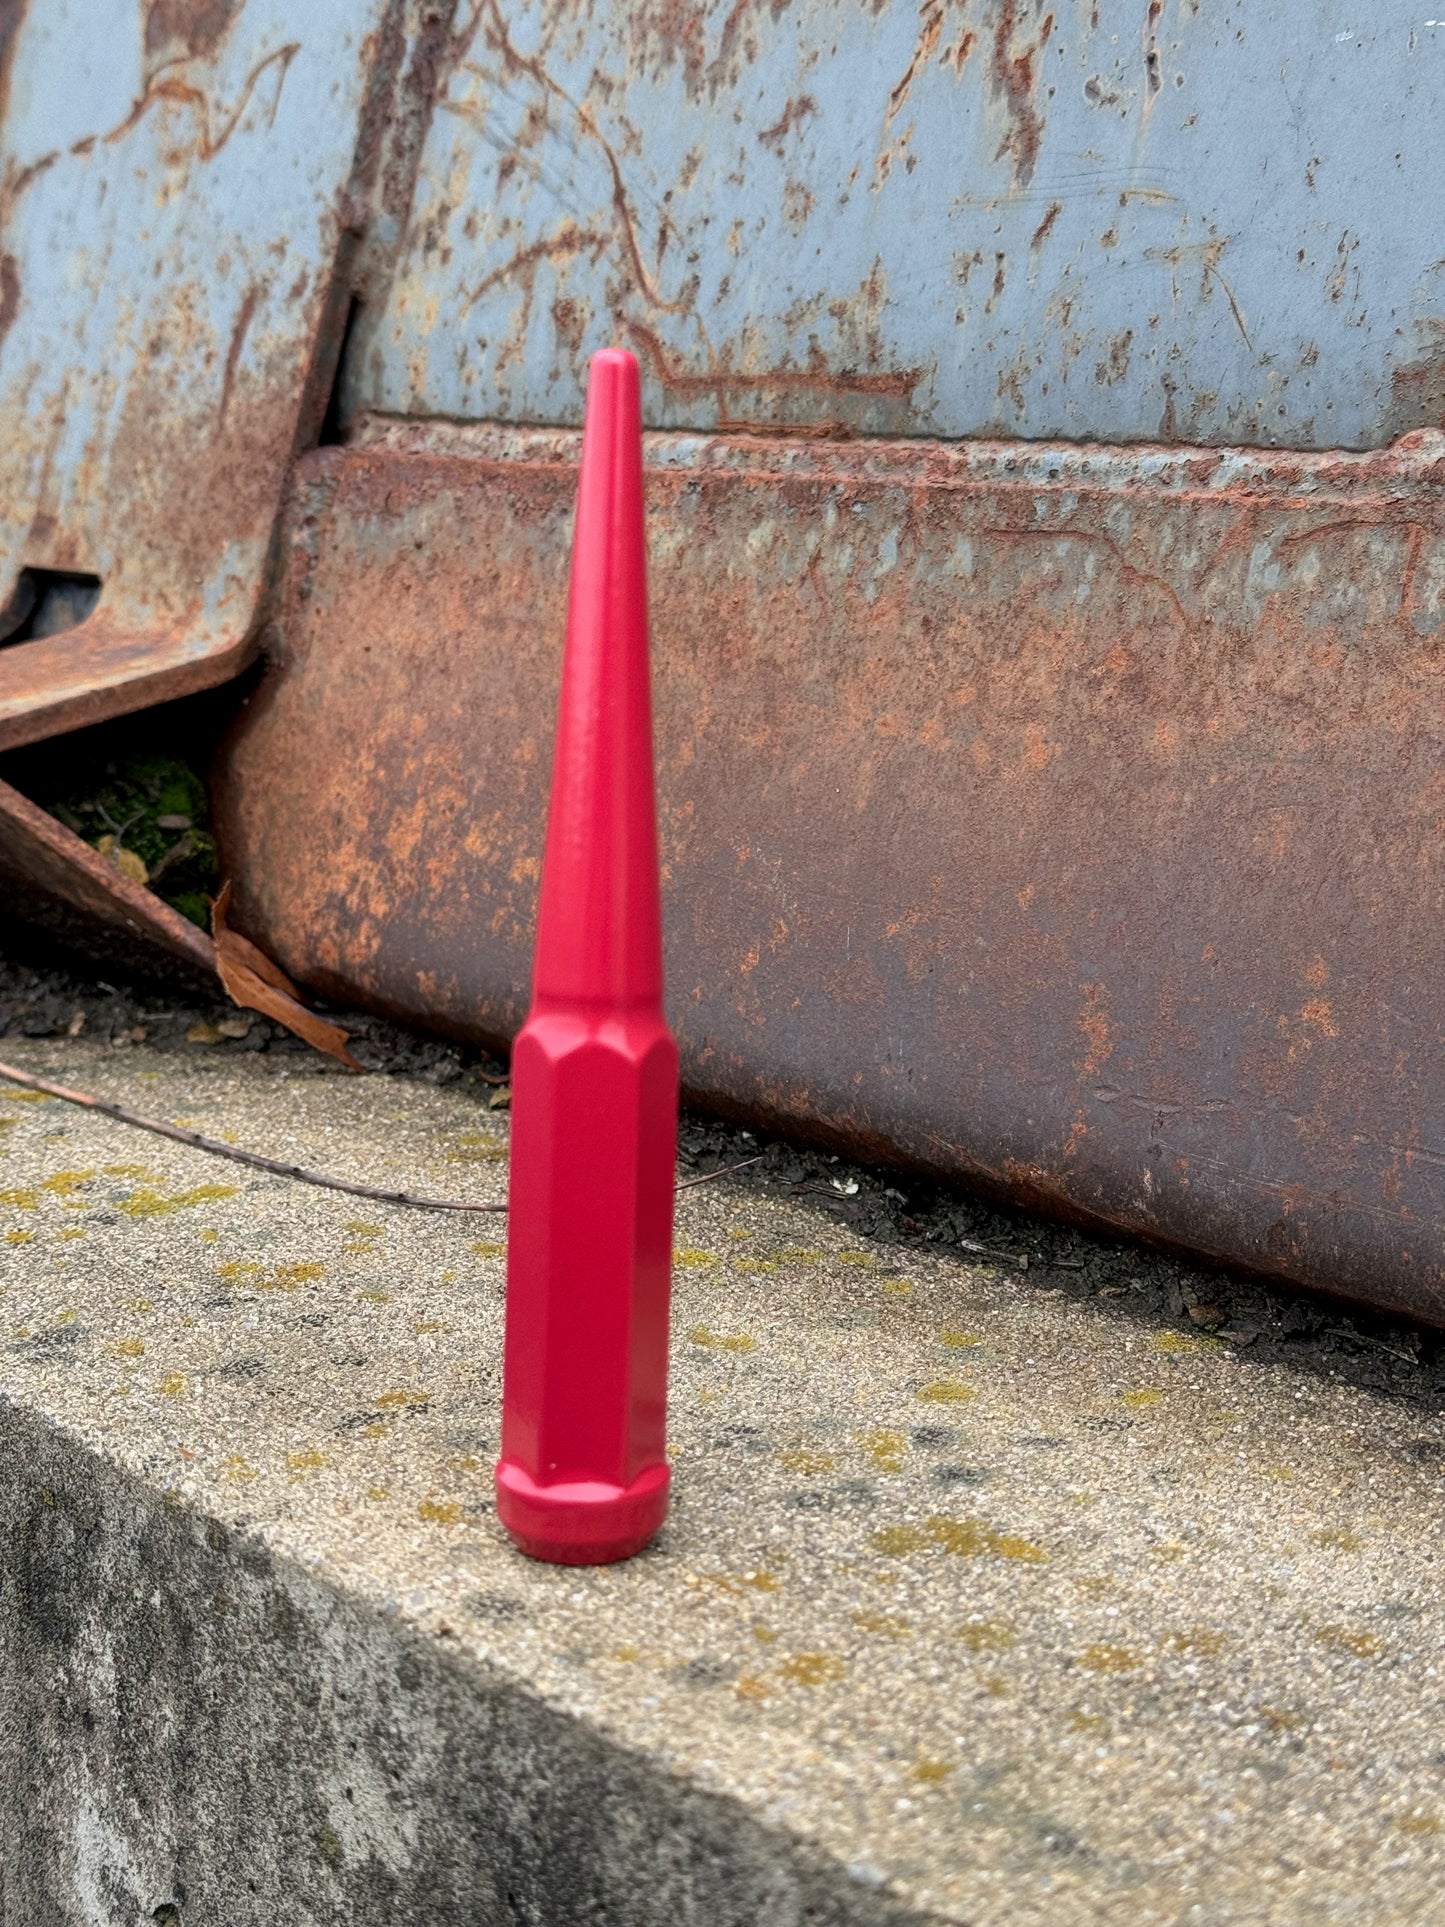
977	1603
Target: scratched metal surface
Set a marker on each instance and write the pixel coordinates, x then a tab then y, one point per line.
1065	820
173	198
1160	220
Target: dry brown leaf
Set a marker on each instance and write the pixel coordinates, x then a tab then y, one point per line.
241	950
255	983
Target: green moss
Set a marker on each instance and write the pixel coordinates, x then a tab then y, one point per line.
140	800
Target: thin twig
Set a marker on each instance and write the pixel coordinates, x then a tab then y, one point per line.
237	1156
118	830
724	1171
198	1142
1363	1338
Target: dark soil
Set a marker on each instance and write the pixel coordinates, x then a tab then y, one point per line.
41	996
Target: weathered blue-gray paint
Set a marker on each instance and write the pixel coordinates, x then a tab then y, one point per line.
1180	220
172	200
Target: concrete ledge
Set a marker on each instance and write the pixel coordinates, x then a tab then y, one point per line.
192	1722
977	1604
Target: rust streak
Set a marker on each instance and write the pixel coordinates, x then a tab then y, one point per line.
182	92
1355	525
624	216
1152	80
795	112
1014	76
1128	571
16	183
501	41
1416	535
730	27
233	351
9	293
201	25
1413	550
502	44
1041	232
10	19
572	240
930	27
806	380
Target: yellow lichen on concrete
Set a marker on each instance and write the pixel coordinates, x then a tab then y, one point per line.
1195	1642
885	1625
147	1203
290	1277
884	1448
64	1183
440	1512
964	1538
711	1341
947	1391
988	1636
1350	1640
1109	1659
811	1669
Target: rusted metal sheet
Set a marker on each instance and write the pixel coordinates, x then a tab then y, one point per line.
1064	819
1160	220
182	187
54	877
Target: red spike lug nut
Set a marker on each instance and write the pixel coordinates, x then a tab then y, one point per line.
583	1473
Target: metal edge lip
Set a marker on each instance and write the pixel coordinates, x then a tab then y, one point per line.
1416	462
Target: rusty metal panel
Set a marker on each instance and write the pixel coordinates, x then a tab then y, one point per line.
178	179
54	877
1063	819
1078	218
